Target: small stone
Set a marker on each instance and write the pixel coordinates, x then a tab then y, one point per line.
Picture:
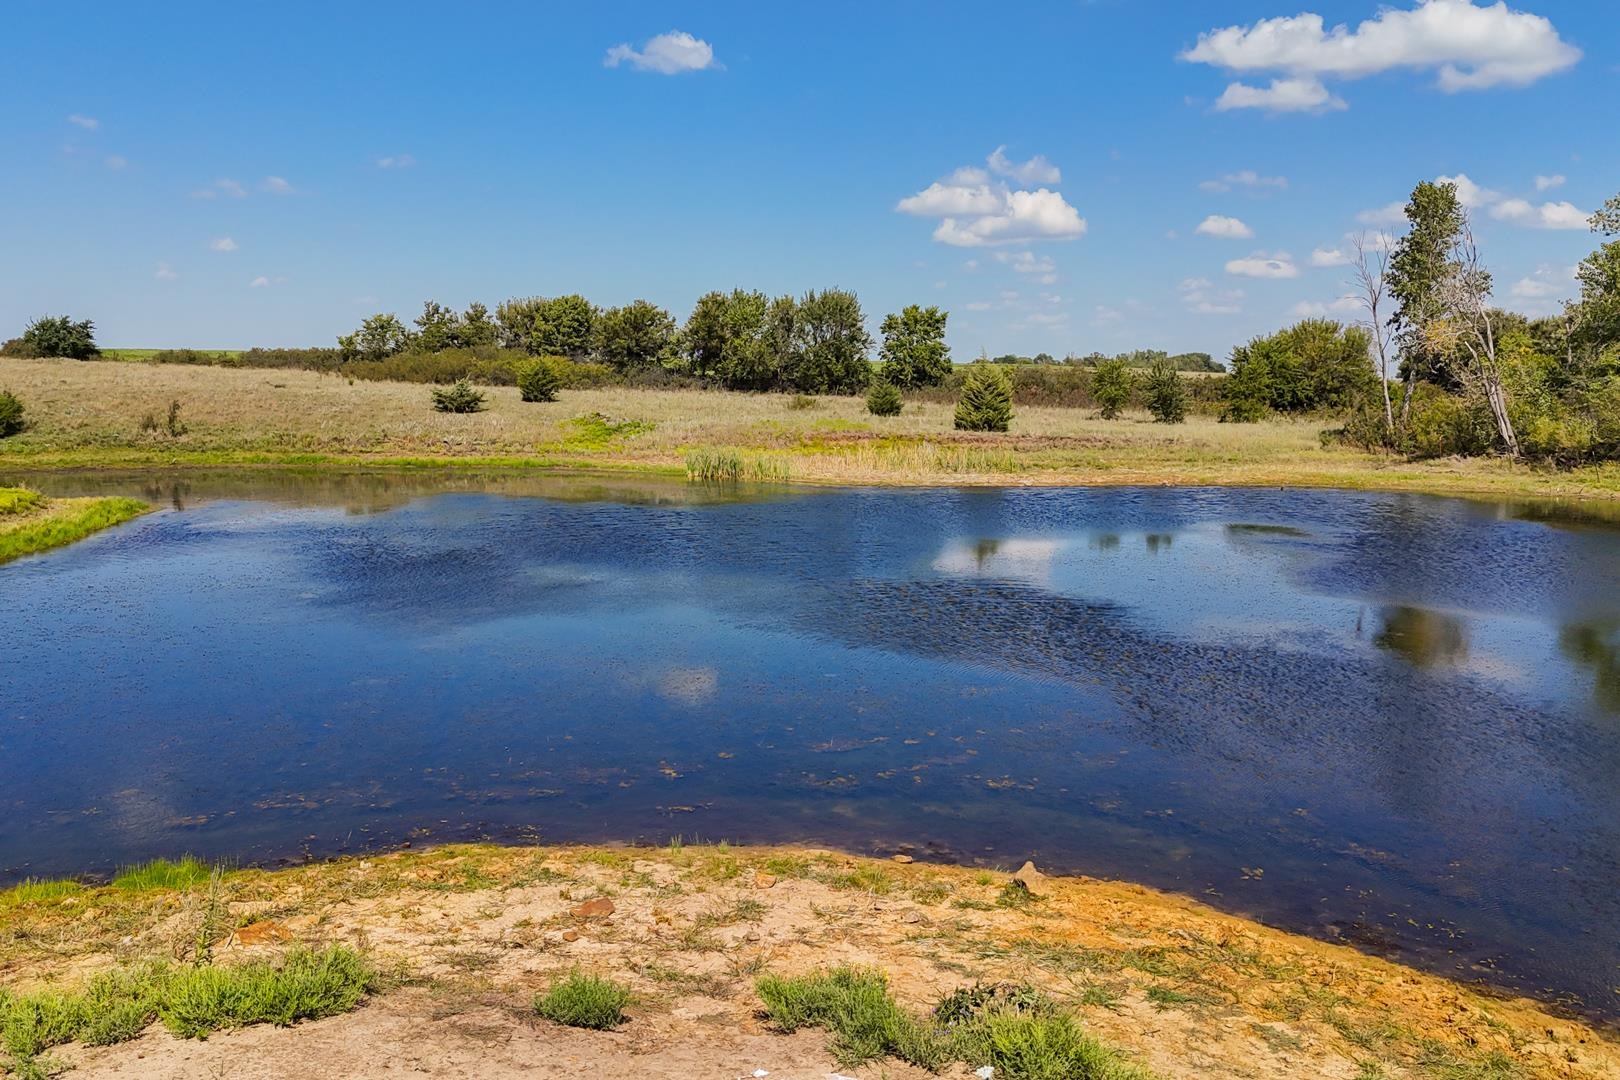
1028	876
901	858
265	932
762	880
570	935
912	917
600	908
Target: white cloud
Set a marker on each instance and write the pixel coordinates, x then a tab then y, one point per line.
396	161
164	272
1037	170
116	162
1226	228
89	123
1470	194
224	243
976	210
979	305
1027	262
674	53
1546	283
222	186
1315	309
1547	183
1246	178
1277	266
260	282
1392	214
276	185
1550	215
1200	297
1106	316
1323	257
1468	46
1283	95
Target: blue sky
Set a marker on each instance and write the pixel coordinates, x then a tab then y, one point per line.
208	175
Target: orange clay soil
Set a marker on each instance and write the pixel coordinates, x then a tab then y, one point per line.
465	936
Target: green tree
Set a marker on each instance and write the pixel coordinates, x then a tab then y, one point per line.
11	414
477	330
437	328
58	335
562	327
539	379
884	399
724	339
1315	365
914	352
986	401
379	337
1111	387
832	345
515	322
635	337
1166	393
1420	265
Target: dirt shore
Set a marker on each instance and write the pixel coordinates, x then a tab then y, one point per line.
465	937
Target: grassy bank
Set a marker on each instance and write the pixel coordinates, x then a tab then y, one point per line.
701	960
96	414
31	523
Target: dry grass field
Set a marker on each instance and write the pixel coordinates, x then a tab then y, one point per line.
110	413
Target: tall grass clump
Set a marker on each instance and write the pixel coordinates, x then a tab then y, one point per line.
11	414
37	891
162	875
728	466
584	1001
986	401
20	501
459	397
538	380
884	399
1018	1032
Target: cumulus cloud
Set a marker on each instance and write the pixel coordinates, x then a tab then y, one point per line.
674	53
1226	228
260	282
1469	46
1200	297
1027	262
1549	215
224	243
277	185
1392	214
164	272
89	123
976	209
396	161
1037	170
1547	183
1323	257
1276	266
1246	178
1470	194
1283	95
1316	309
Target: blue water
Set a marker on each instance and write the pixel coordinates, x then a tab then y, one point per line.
1387	719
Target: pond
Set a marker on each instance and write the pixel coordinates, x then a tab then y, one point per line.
1390	720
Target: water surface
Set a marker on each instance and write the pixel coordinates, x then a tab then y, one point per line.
1387	719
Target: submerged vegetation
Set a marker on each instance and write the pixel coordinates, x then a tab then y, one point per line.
31	523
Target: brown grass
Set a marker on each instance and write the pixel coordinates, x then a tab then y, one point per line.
89	413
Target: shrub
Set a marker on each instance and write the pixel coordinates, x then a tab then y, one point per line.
584	1001
986	401
11	414
538	380
1166	393
802	402
884	400
1111	387
459	397
58	335
1442	424
1314	365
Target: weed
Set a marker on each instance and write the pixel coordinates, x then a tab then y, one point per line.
1016	895
35	891
584	1001
307	985
729	466
800	402
162	874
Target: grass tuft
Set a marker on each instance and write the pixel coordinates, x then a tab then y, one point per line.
731	467
584	1001
36	891
162	874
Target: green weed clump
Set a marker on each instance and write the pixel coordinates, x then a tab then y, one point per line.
584	1001
538	380
36	891
459	397
728	466
986	401
1017	1031
884	400
20	501
11	414
162	874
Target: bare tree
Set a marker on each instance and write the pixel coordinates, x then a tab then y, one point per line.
1465	318
1372	268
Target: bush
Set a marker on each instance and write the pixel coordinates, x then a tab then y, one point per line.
57	335
584	1001
11	414
1315	365
1166	393
1111	387
538	380
1443	424
458	398
884	400
986	401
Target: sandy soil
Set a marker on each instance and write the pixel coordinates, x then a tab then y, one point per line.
467	936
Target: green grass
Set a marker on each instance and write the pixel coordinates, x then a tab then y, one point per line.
162	874
36	891
192	1003
584	1001
731	467
30	524
1018	1032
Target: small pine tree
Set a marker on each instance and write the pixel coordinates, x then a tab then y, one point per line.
459	398
1111	387
1166	393
986	401
11	414
539	380
884	399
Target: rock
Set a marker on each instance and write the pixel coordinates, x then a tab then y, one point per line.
600	908
264	932
912	918
901	858
762	880
570	935
1028	876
